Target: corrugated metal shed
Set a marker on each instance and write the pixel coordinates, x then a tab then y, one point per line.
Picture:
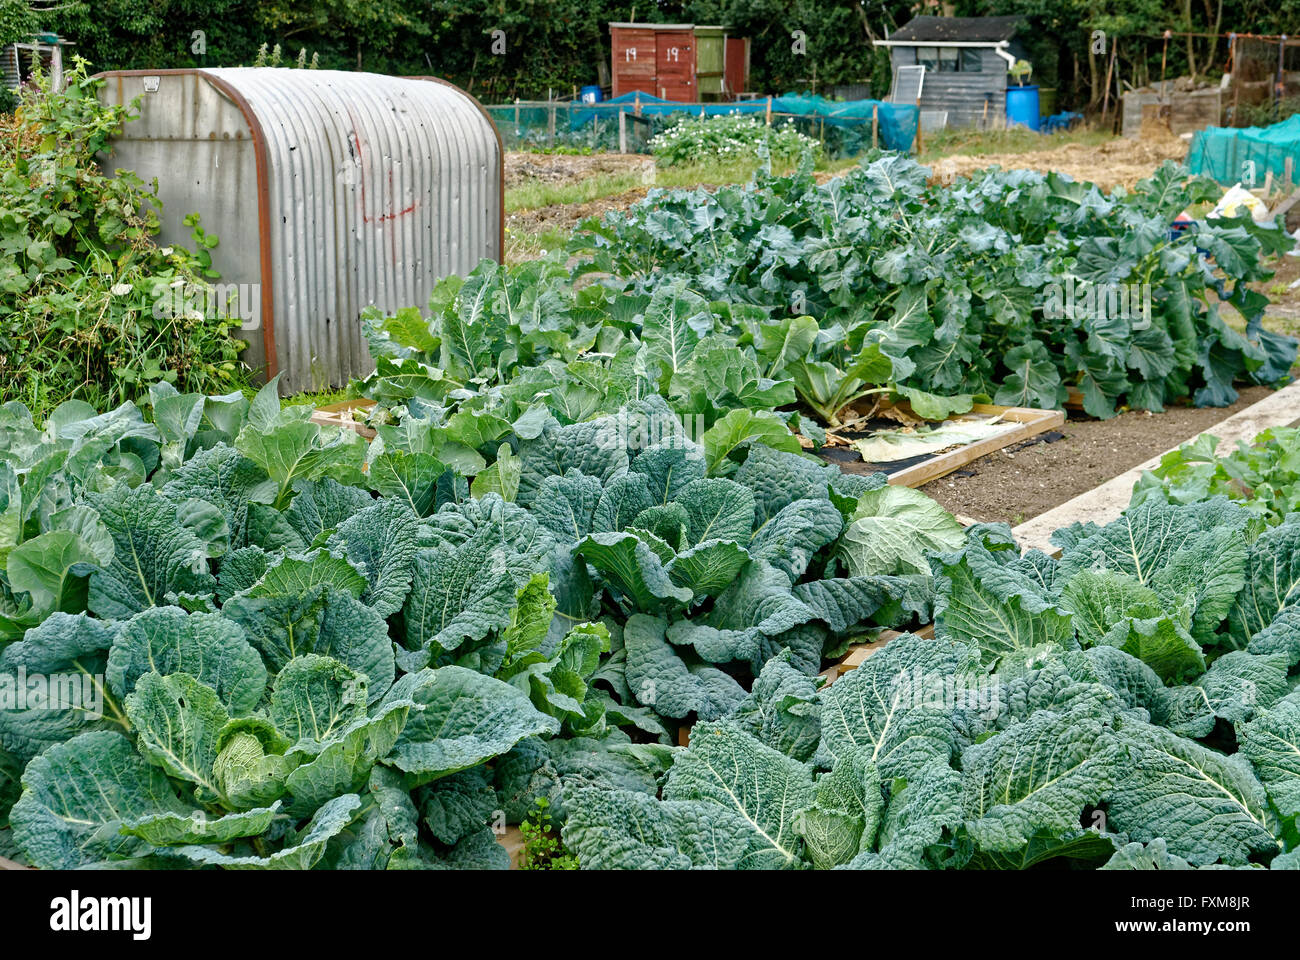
328	190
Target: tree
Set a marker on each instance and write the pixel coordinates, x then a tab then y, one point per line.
17	22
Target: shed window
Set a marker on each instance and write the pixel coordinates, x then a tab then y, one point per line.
949	59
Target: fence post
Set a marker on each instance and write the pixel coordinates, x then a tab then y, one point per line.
550	125
1288	168
875	126
767	118
638	103
1280	87
622	131
1236	81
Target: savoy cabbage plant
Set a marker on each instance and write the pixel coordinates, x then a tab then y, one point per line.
299	650
303	650
962	287
1126	706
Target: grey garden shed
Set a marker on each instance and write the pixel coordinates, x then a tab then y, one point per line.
966	61
328	191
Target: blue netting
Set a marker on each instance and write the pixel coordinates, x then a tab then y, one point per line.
897	122
1225	153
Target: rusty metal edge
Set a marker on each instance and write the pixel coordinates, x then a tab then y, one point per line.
262	160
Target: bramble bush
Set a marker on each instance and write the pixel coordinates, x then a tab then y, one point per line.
80	271
729	139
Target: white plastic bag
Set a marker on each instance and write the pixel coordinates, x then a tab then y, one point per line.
1230	203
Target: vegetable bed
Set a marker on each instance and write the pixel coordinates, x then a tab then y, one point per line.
981	288
582	520
318	652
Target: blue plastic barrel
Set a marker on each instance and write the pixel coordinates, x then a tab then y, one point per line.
590	94
1022	106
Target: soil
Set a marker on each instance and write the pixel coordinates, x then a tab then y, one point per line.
1110	164
1283	314
566	216
1027	479
522	167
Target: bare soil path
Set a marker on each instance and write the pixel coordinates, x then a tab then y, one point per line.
1017	483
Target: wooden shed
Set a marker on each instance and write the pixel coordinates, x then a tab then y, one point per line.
678	61
966	60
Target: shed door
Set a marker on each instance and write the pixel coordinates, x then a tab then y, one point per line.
737	68
675	66
634	61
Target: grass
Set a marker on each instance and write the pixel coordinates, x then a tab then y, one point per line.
1288	325
532	196
316	398
529	245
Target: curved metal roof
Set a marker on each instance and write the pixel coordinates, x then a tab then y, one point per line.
376	184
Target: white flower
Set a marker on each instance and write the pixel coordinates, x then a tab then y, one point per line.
120	289
166	251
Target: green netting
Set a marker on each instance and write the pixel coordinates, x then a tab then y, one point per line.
1248	154
843	127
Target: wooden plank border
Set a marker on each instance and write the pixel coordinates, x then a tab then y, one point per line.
860	653
1029	422
513	841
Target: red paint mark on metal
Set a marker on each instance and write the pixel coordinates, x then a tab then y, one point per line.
365	206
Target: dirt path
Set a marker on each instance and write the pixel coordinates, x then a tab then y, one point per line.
1022	482
1113	163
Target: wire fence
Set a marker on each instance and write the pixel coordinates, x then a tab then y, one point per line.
1265	86
628	124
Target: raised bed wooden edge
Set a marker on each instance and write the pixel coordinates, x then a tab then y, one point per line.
1029	422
